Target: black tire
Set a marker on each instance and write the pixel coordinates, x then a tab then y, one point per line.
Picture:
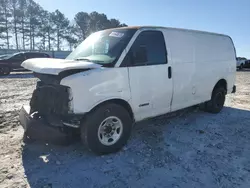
241	66
1	71
6	70
90	126
217	101
27	139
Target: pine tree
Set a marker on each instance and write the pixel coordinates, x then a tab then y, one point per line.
5	25
61	23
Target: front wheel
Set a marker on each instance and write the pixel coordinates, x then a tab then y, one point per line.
106	129
217	101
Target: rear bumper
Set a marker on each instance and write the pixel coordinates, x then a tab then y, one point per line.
234	89
39	129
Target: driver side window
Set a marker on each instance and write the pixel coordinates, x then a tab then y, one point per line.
19	57
148	49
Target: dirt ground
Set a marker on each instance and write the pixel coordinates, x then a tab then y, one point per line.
191	149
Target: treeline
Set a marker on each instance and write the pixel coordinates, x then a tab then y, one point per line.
24	24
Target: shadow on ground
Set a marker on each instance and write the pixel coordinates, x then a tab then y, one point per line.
18	75
188	149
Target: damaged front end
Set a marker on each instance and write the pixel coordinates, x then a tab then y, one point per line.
50	99
50	113
50	117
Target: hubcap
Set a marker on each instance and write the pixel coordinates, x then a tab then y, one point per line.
110	130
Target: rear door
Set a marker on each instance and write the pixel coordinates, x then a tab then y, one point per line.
46	55
32	55
149	74
17	60
40	55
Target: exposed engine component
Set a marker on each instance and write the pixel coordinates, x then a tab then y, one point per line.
50	99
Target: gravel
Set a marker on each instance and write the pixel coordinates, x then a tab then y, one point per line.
190	149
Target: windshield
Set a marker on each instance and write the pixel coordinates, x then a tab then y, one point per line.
103	47
6	56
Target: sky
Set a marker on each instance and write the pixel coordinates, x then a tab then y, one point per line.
231	17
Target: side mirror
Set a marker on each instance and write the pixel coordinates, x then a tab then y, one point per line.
140	55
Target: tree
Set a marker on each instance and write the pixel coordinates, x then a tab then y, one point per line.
89	23
1	35
32	27
82	20
61	24
46	30
2	28
5	27
50	31
21	11
98	21
71	36
15	20
113	23
33	15
71	41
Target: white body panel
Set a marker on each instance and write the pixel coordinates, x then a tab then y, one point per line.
214	60
198	60
182	58
92	87
151	95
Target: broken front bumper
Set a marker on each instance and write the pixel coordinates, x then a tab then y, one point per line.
39	129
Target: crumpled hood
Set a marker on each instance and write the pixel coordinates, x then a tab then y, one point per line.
55	66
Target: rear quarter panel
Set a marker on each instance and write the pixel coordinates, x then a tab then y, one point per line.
215	59
199	61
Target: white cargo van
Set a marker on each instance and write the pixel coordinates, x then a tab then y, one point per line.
124	75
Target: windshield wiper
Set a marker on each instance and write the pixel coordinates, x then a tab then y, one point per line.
88	60
82	59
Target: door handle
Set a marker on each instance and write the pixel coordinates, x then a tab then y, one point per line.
169	72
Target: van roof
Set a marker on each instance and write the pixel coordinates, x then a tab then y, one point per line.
172	28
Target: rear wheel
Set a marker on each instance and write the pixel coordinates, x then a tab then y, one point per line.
217	101
5	71
106	129
1	71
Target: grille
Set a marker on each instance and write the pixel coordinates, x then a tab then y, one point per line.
50	99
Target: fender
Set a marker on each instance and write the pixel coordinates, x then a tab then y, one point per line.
110	99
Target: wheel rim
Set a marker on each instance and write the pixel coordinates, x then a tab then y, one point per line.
110	130
219	100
